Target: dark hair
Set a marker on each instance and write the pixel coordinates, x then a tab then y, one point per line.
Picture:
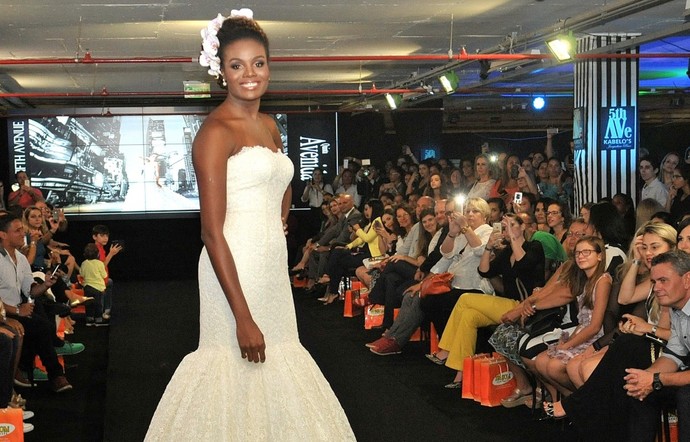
239	28
16	175
499	201
424	236
654	161
663	215
532	199
376	208
100	229
6	220
679	260
565	212
607	222
91	251
683	224
684	170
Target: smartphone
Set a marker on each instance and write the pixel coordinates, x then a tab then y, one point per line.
119	242
377	223
28	183
15	187
552	130
366	162
517	198
498	227
346	163
56	215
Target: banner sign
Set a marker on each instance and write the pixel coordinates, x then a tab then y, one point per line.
312	143
618	128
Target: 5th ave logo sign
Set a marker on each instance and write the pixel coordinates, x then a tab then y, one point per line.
618	128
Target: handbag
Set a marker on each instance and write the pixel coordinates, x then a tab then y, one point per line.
437	284
544	320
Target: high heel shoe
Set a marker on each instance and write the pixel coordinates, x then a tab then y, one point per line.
330	298
549	412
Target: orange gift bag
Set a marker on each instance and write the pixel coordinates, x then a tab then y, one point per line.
496	381
11	425
468	375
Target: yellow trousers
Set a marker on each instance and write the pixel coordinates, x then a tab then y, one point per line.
471	312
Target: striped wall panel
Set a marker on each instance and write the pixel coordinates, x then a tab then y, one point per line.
598	84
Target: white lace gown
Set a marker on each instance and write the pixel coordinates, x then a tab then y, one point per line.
215	395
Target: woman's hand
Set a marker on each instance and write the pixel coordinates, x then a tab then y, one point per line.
251	341
495	240
638	248
35	235
413	289
634	325
512	315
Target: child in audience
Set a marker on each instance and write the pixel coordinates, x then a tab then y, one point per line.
94	274
101	236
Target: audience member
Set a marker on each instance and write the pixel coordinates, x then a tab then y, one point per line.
101	236
668	164
652	187
481	188
645	209
95	276
678	203
26	195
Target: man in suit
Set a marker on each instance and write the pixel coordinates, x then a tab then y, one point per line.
337	235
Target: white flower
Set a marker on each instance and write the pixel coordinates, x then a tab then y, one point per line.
209	55
211	44
244	12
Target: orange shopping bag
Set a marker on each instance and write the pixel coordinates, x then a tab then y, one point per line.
11	425
468	375
373	316
497	381
477	376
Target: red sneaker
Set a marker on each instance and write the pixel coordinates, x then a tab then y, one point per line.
388	347
376	343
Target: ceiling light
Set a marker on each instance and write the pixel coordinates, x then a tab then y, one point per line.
449	81
394	100
538	103
562	46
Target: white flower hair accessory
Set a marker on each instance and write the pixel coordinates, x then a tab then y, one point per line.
209	46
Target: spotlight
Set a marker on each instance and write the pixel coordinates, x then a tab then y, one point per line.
563	47
449	81
538	103
394	100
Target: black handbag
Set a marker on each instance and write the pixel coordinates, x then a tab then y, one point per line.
545	320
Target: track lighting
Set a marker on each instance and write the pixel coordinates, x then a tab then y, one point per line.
394	100
449	81
562	46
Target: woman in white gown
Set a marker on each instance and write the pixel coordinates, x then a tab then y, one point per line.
250	378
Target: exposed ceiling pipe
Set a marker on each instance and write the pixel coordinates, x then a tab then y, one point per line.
462	56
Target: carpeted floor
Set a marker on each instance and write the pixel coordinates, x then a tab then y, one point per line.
155	324
393	398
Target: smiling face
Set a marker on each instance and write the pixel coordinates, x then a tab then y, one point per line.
245	69
554	217
387	220
404	218
429	223
586	256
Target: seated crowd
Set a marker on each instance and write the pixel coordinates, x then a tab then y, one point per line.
503	228
42	287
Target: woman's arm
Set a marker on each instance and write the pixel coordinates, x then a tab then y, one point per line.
211	149
631	292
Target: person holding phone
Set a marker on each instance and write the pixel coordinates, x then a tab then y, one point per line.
313	193
25	195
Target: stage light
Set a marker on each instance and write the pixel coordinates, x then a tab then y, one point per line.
449	81
563	47
394	100
538	103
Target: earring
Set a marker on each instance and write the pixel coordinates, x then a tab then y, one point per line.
225	83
